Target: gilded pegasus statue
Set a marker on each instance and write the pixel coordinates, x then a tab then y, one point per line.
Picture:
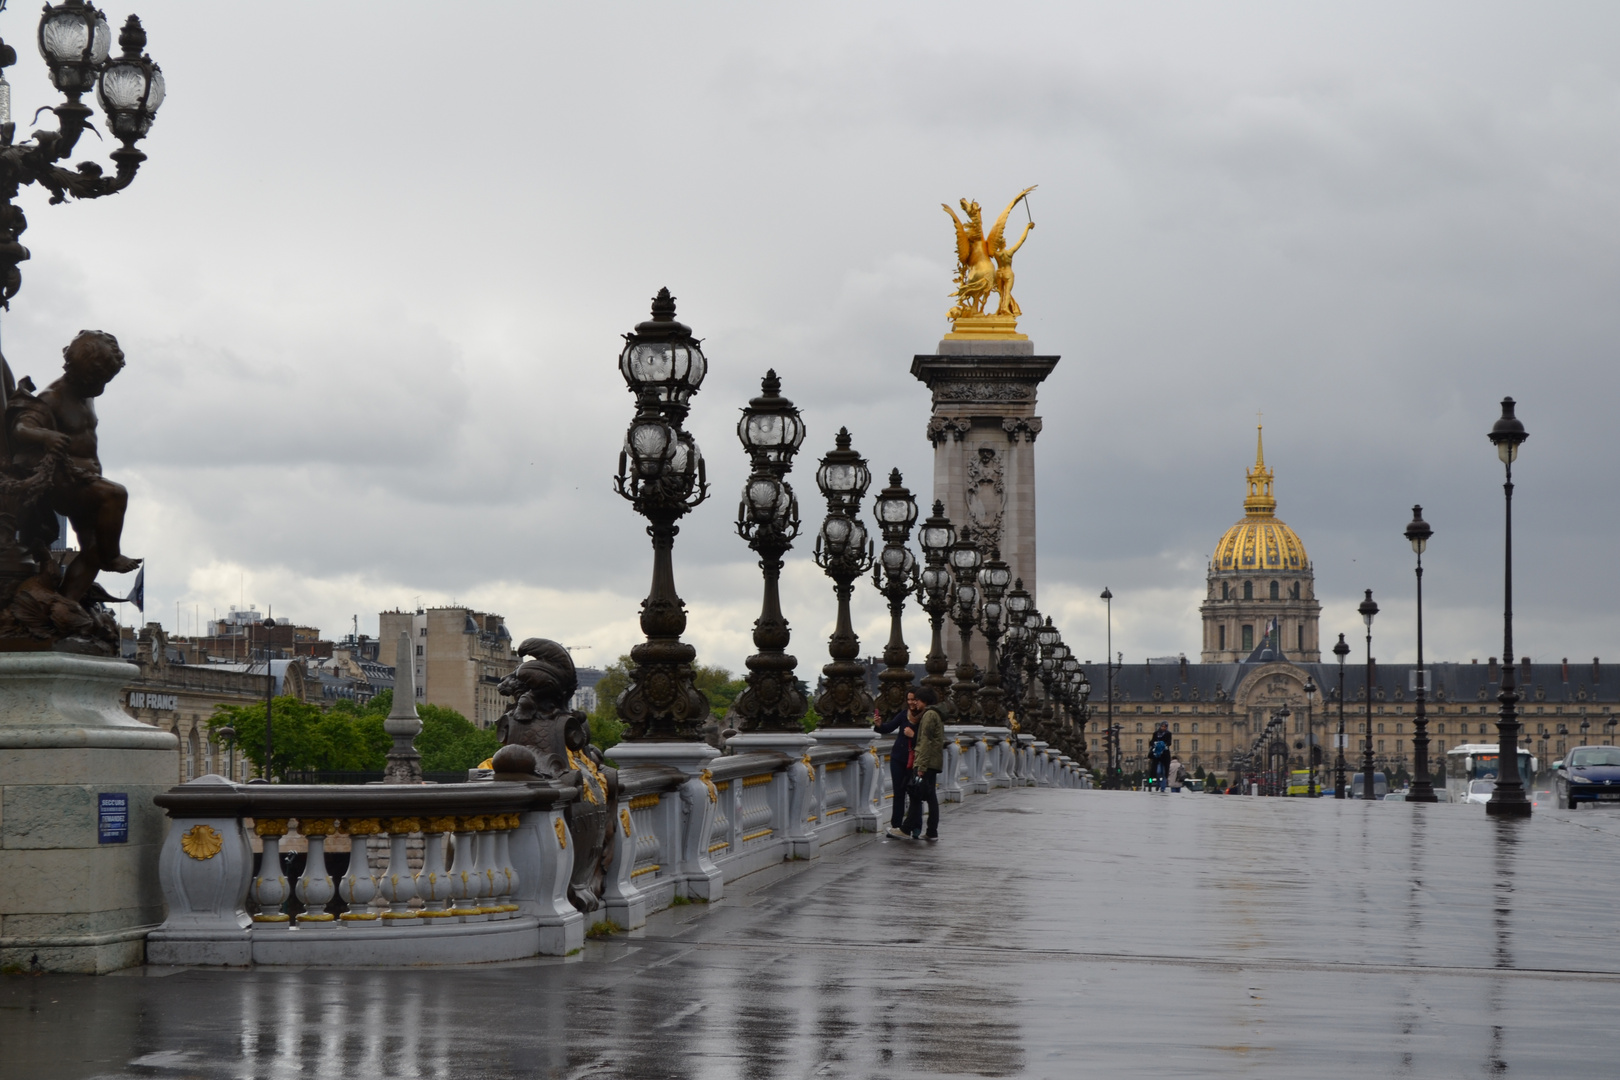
984	263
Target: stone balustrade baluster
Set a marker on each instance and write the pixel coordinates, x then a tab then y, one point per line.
505	871
398	883
434	883
270	890
484	866
315	888
465	882
359	884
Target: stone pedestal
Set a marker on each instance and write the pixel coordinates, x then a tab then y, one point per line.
79	834
864	808
983	429
694	874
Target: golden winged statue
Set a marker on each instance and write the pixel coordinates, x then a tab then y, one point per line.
984	267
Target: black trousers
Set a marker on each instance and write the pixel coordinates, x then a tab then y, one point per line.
925	796
898	774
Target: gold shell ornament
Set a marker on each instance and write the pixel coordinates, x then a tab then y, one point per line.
201	842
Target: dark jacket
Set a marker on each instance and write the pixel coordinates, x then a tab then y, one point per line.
896	725
930	740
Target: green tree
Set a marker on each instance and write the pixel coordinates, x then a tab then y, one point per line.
449	742
306	736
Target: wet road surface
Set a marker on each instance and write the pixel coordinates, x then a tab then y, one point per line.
1051	934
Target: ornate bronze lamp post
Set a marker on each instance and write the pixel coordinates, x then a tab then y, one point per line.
994	577
1368	609
1418	532
1048	637
661	473
768	519
936	589
1013	644
1341	650
844	553
75	42
1508	799
896	578
1311	751
965	562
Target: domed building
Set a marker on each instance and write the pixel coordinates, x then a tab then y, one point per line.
1262	595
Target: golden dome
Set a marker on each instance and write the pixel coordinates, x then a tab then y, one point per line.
1260	541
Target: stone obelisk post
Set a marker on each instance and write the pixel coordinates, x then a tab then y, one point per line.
404	762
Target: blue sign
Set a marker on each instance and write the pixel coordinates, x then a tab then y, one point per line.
112	818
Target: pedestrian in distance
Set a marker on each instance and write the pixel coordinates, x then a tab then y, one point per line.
1159	755
904	730
1177	773
927	760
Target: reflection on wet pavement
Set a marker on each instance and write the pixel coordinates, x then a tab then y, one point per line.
1083	933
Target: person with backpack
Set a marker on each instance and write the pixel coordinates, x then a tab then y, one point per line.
1177	774
1159	755
904	729
928	759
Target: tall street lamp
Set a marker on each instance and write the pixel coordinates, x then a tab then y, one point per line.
895	577
1508	800
269	693
1341	650
1418	533
661	473
768	519
1108	660
1015	641
1311	752
994	577
936	589
1368	609
844	553
75	42
965	562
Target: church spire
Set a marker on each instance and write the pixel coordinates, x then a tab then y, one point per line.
1260	502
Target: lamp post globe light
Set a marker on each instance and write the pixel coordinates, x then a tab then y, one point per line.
994	577
75	41
895	577
768	519
1368	609
844	553
1341	650
936	588
661	473
1422	790
965	559
1508	800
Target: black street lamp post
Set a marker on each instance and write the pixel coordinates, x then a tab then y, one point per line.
994	577
1422	790
1108	661
661	473
768	519
844	553
1048	637
1368	609
75	42
1508	799
1014	643
965	562
269	693
895	577
1311	752
936	589
1341	650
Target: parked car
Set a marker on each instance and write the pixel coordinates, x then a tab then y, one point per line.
1589	774
1479	791
1394	796
1380	786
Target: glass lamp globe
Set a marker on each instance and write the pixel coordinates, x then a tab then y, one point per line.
74	39
661	355
131	87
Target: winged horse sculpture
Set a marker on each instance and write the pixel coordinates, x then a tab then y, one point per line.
984	263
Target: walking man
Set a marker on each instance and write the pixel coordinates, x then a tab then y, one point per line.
927	761
904	729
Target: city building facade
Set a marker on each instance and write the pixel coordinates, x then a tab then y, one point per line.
461	657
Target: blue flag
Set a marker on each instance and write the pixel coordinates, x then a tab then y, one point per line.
137	595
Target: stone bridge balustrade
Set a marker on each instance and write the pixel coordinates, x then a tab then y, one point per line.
503	896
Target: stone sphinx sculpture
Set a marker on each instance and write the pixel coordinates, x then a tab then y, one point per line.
540	720
49	465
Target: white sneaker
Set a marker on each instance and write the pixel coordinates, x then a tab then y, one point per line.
898	835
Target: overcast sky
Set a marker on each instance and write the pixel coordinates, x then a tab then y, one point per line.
371	285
